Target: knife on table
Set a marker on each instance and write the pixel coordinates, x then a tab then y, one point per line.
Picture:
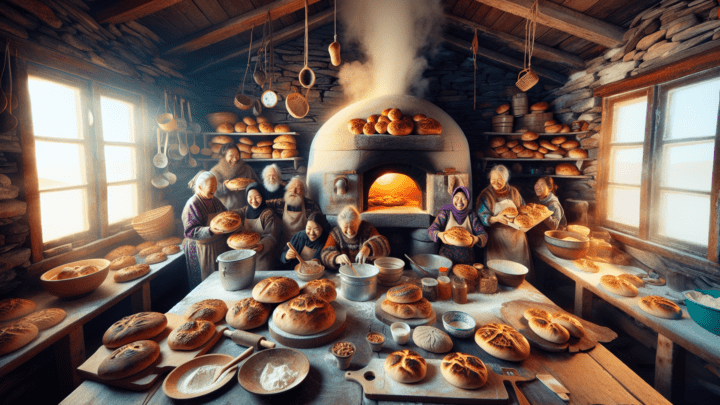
554	385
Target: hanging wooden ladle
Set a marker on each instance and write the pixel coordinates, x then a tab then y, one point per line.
296	104
306	76
334	48
242	101
160	159
259	74
166	121
9	122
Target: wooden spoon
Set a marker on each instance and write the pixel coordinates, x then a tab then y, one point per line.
232	363
300	259
354	271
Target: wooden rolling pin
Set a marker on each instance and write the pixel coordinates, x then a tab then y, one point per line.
248	339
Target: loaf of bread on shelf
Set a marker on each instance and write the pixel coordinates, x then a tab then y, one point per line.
249	121
355	126
496	141
567	169
240	126
502	109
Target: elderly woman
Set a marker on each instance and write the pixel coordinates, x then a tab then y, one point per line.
308	243
458	213
259	218
353	238
201	246
229	167
504	242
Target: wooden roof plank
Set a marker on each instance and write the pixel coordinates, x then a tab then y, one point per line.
564	19
212	11
541	51
129	10
235	25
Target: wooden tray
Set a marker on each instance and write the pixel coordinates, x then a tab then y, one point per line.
516	226
388	319
318	339
168	360
513	313
434	388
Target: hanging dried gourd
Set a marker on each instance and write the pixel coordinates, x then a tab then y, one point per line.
334	48
527	78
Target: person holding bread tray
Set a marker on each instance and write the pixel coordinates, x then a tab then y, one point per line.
544	190
231	166
259	218
201	245
308	243
497	204
353	238
458	245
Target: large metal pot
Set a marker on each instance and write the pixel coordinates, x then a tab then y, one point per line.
237	269
358	288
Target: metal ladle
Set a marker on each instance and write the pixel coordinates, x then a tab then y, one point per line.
171	177
182	146
160	159
194	127
180	123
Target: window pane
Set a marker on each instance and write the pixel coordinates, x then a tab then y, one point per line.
684	216
60	164
63	213
626	165
122	202
629	120
55	109
688	166
692	110
119	163
623	205
117	120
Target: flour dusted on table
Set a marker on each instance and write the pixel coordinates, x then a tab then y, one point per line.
277	378
200	378
704	299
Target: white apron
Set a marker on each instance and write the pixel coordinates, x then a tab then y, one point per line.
209	249
265	259
505	242
293	222
452	223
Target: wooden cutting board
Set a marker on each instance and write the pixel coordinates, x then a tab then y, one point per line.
513	312
168	360
309	341
388	319
433	388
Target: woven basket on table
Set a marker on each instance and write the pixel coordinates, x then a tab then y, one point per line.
155	224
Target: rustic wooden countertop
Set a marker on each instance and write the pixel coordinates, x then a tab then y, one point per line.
595	377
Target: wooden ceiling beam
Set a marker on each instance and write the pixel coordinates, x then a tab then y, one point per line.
279	37
131	10
540	51
235	26
564	19
505	60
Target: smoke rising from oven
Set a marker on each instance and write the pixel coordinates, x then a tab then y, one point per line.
393	37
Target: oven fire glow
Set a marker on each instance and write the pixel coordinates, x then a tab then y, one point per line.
393	190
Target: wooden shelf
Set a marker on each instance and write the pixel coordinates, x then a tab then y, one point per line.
533	160
557	176
295	160
250	133
539	133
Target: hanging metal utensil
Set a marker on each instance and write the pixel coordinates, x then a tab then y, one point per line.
160	159
166	121
194	126
269	98
182	146
171	177
334	48
306	76
242	101
9	122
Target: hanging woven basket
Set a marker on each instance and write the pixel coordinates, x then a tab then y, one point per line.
526	79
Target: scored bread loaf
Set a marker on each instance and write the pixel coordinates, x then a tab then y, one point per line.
127	250
191	335
536	313
247	314
404	294
211	310
517	148
465	271
45	319
531	145
16	335
129	359
400	128
458	236
548	330
131	272
618	286
586	265
428	126
170	250
143	325
496	141
569	322
464	371
304	315
412	310
512	144
323	288
144	245
502	341
243	239
12	308
405	366
510	212
273	290
523	221
149	250
432	339
225	222
122	262
632	279
660	307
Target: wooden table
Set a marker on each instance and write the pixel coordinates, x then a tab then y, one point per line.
612	382
67	336
674	336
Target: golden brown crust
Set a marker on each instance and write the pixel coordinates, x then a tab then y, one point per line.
285	146
288	153
12	308
46	318
618	286
191	335
458	236
240	126
247	314
586	265
400	128
273	290
553	129
660	307
131	273
122	262
405	366
149	250
222	139
567	169
323	288
541	106
126	250
249	121
144	245
261	149
156	258
129	359
569	322
510	212
502	341
224	128
224	222
464	370
526	154
404	293
418	117
246	141
502	149
395	114
261	156
529	136
428	126
524	221
518	148
632	279
238	183
512	144
578	153
496	141
558	140
243	239
211	310
173	240
548	330
536	313
502	108
170	250
143	325
569	145
373	118
304	315
418	309
266	128
252	129
16	335
355	126
465	271
282	128
549	146
531	145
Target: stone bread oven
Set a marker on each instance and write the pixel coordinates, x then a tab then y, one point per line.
394	181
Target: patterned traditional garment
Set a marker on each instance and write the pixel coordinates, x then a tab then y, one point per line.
201	248
557	220
223	171
337	244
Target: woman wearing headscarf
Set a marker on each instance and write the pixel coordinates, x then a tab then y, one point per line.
353	239
259	218
231	166
201	246
458	213
504	242
308	243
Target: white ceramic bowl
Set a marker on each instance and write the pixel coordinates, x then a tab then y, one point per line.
459	324
508	273
390	269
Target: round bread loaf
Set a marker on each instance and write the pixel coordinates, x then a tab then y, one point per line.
240	126
541	106
129	359
285	145
660	307
66	273
149	250
246	141
549	146
518	148
550	122
586	265
210	310
225	128
428	126
238	183
265	143
458	236
404	293
537	313
618	286
509	155
131	273
277	154
531	145
496	141
385	119
413	310
143	325
252	129
567	169
400	128
144	245
243	240
464	371
191	335
225	222
569	145
156	258
266	128
405	366
12	308
285	139
502	108
126	250
502	149
512	144
222	139
510	212
44	319
215	149
553	129
502	341
632	279
526	154
550	331
279	128
16	335
170	250
529	136
558	140
565	129
289	153
261	156
304	315
247	314
373	118
273	290
385	112
542	150
381	127
355	126
418	117
523	221
323	288
578	153
569	322
465	271
538	155
432	339
395	114
262	149
260	119
369	128
244	148
249	121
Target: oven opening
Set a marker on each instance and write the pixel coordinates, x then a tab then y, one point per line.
394	191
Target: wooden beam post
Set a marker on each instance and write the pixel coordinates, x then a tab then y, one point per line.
583	301
130	10
540	51
69	355
669	368
564	19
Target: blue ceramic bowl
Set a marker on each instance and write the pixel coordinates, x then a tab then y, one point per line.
459	324
707	317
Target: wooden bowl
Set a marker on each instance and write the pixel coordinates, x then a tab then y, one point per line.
250	372
72	287
508	273
170	385
567	249
309	276
223	117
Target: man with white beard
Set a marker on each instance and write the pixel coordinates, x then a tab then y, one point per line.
272	183
293	209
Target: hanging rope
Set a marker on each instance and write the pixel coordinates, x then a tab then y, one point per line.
335	38
530	25
474	48
248	61
272	52
306	32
